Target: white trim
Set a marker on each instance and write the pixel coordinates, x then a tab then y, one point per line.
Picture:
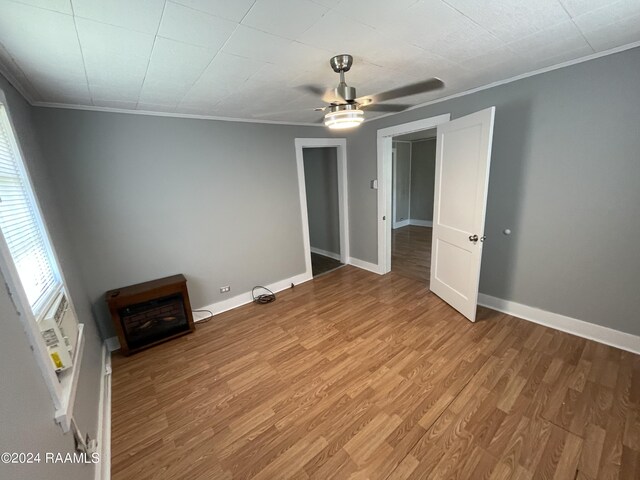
415	126
29	324
245	298
421	223
69	385
522	76
62	391
151	113
394	186
412	221
343	193
18	86
103	435
401	223
370	267
7	73
384	141
591	331
394	176
326	253
410	177
112	344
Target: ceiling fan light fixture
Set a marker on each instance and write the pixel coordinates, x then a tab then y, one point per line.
342	119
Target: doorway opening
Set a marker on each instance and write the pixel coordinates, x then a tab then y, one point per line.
462	162
413	177
322	178
321	185
385	184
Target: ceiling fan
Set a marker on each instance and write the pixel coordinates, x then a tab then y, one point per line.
345	110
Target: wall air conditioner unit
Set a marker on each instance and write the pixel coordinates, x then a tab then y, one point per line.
59	328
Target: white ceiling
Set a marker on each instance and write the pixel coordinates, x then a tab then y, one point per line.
242	58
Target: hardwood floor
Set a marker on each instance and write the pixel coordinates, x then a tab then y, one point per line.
355	375
320	264
411	252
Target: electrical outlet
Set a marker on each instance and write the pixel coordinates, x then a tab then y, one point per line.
225	289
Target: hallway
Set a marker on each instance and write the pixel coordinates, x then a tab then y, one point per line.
411	252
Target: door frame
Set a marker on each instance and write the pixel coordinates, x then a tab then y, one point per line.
343	197
394	187
385	217
394	198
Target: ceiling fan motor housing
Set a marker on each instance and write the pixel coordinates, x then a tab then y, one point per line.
344	107
346	92
341	63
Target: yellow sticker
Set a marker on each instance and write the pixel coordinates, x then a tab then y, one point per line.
56	360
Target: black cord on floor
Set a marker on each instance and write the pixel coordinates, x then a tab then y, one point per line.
206	319
264	297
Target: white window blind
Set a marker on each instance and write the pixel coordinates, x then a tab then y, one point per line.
20	222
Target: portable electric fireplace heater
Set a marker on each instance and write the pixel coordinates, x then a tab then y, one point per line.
150	313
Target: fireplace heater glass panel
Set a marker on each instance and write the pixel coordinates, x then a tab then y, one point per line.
153	320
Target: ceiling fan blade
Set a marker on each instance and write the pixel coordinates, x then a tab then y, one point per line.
332	96
328	95
314	89
412	89
385	107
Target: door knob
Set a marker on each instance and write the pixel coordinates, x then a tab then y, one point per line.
473	238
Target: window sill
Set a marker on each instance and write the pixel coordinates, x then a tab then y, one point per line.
69	384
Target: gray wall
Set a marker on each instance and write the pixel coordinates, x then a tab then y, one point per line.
321	183
26	413
423	171
564	177
402	180
149	196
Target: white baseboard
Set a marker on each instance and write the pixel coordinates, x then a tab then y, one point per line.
103	435
421	223
246	297
326	253
371	267
412	221
112	344
598	333
401	223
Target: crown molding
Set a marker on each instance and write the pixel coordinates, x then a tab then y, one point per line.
13	80
533	73
7	73
93	108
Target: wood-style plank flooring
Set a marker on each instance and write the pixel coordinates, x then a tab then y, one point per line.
411	252
321	264
355	375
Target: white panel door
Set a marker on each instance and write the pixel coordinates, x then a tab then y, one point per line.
463	155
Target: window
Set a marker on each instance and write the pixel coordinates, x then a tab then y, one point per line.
21	225
36	285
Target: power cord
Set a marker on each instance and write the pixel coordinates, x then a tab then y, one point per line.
206	319
263	297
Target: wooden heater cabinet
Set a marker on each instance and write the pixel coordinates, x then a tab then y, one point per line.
149	313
